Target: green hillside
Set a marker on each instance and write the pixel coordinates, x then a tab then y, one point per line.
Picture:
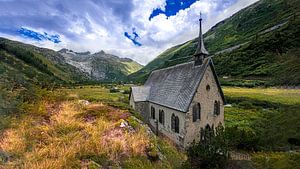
264	36
30	64
25	69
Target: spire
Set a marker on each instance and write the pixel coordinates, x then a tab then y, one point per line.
201	52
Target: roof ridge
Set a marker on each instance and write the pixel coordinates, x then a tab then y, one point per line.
181	64
185	63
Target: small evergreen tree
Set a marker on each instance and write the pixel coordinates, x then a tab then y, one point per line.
211	152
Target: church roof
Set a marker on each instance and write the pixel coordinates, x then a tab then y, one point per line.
140	93
175	86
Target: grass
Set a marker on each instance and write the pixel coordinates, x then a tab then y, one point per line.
272	95
68	133
276	160
265	119
62	131
100	94
268	116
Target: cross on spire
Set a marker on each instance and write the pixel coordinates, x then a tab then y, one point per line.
201	52
200	16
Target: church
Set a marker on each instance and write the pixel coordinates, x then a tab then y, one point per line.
182	100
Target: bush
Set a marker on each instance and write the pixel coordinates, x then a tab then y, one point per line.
241	139
210	153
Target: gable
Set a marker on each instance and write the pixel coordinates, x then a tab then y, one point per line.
213	78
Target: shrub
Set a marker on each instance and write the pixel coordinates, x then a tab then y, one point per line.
210	153
241	138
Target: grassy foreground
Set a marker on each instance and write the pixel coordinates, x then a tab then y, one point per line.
62	130
65	131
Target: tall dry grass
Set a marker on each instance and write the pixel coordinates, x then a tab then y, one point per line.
68	136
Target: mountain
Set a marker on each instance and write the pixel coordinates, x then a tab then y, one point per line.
260	42
22	63
101	66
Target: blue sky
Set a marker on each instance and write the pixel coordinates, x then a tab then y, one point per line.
172	7
138	29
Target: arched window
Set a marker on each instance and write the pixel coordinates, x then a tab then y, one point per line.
152	112
202	134
176	124
161	117
173	122
196	112
217	108
208	88
207	134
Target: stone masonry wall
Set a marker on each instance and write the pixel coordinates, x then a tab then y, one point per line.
166	128
206	98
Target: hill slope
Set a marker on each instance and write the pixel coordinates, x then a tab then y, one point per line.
101	66
234	40
22	63
25	69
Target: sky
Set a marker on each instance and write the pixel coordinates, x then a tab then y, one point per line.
136	29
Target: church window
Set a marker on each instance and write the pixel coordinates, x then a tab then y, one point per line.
208	134
175	123
208	87
152	112
161	117
202	134
217	108
196	112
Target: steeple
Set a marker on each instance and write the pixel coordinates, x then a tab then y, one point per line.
201	52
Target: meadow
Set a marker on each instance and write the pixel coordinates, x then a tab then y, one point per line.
261	121
77	128
93	126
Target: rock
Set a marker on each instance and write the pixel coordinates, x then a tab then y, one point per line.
84	102
228	105
124	124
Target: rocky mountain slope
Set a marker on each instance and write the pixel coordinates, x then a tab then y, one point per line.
22	64
260	42
101	66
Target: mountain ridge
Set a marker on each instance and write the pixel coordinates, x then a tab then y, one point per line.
24	63
101	66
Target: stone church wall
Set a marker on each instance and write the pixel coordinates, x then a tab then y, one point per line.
166	127
206	96
142	108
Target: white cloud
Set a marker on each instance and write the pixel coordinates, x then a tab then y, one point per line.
92	25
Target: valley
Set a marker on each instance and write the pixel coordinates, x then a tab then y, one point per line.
68	109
